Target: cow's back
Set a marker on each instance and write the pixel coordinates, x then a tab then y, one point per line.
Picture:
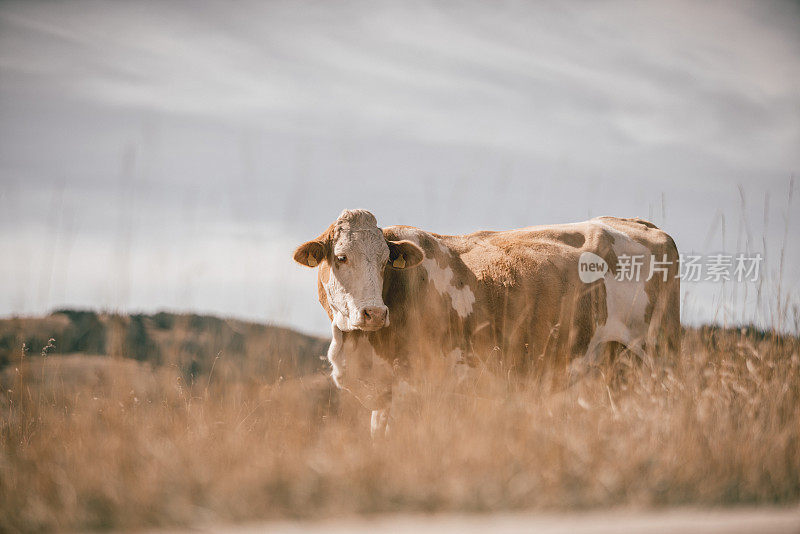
517	294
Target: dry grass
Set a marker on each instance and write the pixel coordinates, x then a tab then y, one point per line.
110	443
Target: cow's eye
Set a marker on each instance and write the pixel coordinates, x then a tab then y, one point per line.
341	258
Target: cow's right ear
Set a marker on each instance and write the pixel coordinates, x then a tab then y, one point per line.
310	254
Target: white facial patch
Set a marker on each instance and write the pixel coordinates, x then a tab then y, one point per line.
356	283
461	298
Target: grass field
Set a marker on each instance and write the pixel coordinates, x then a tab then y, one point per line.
112	442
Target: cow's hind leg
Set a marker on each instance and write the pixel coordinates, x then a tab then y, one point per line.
614	332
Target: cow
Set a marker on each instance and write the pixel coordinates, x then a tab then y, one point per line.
398	296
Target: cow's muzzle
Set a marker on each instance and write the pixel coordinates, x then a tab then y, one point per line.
372	318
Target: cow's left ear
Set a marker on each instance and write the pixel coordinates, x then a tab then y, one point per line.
404	254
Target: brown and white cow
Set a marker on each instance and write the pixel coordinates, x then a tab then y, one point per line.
398	296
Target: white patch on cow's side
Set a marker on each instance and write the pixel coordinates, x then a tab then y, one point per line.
626	302
461	298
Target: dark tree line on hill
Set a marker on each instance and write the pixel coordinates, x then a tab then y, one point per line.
191	342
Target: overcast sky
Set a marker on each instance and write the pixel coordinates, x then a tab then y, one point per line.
170	155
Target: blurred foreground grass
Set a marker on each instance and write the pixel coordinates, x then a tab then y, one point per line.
97	442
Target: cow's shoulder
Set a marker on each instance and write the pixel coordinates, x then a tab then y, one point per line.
432	244
443	278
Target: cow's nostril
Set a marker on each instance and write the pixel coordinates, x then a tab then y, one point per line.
373	315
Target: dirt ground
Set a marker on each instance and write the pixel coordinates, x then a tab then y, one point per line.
684	521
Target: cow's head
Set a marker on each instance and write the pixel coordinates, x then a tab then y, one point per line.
353	255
